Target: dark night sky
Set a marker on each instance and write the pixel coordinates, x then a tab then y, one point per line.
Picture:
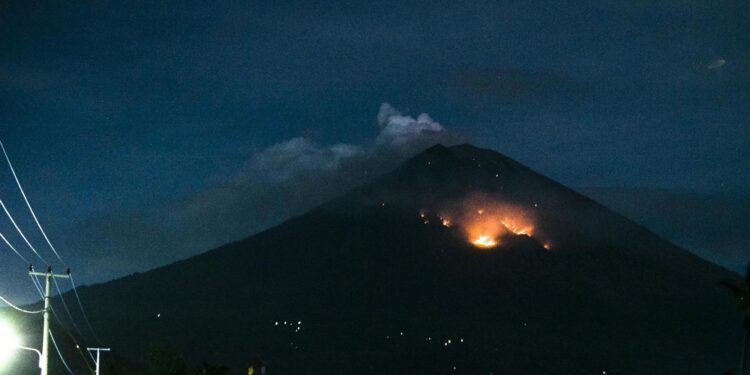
147	131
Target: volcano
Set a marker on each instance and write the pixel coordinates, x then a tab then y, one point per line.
386	279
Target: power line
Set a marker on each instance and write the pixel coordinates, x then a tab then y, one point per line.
83	311
23	193
52	247
65	306
48	307
20	231
98	351
38	286
49	243
59	353
26	261
18	308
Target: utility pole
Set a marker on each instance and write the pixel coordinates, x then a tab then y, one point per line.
44	363
98	351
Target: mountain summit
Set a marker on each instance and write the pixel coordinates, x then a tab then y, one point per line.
459	261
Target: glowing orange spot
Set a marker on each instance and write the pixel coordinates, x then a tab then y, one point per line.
493	222
485	241
446	222
517	228
547	245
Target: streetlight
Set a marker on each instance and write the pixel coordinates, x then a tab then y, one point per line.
10	341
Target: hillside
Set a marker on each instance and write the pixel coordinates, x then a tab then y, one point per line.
386	279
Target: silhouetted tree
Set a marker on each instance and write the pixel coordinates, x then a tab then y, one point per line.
162	361
210	369
741	292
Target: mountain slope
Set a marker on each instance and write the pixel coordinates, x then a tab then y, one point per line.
373	282
711	225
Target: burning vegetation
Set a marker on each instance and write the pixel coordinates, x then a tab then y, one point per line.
485	221
486	226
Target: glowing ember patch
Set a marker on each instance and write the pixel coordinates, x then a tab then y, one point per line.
518	229
485	241
487	222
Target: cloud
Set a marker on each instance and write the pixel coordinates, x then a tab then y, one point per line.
716	64
397	129
274	184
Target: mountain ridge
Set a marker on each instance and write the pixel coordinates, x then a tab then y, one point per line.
379	284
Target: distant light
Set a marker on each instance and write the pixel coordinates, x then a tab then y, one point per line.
277	323
9	342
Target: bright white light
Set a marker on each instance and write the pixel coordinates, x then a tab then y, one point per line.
9	342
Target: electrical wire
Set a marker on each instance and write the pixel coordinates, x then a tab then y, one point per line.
21	232
39	289
52	247
59	353
23	193
18	308
26	261
65	306
85	317
38	286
